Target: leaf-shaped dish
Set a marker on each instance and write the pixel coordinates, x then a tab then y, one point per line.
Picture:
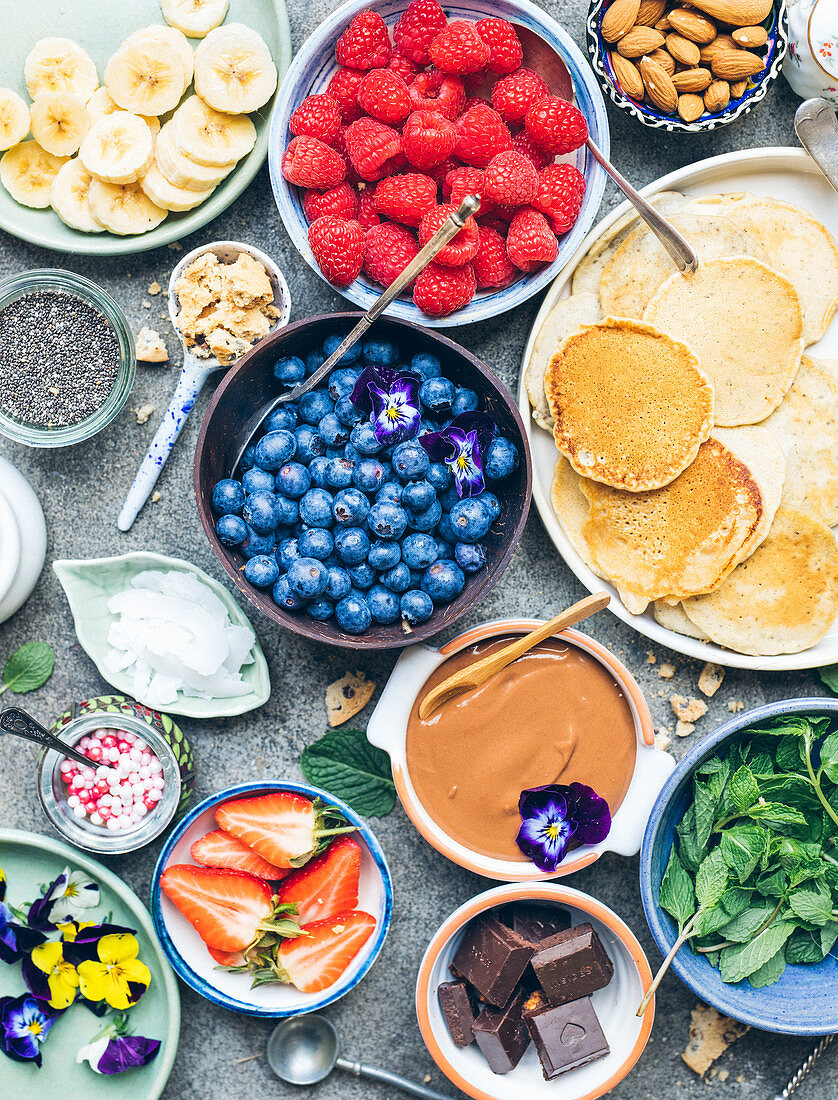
90	582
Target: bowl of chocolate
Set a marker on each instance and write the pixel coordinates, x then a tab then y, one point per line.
529	991
567	712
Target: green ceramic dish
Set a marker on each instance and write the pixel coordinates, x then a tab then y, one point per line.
29	860
90	582
100	26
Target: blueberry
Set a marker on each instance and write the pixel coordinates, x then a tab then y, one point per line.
283	419
293	480
261	511
352	453
257	479
275	448
437	394
231	530
448	498
347	413
317	468
416	606
387	520
314	405
350	508
415	578
410	460
444	550
316	508
444	529
443	581
384	554
248	458
470	519
383	604
491	502
426	365
381	353
364	439
314	359
287	553
342	382
396	579
316	542
256	544
333	342
427	520
333	432
470	556
289	370
333	452
285	597
338	584
307	578
362	575
464	401
501	460
262	571
353	614
418	495
352	545
320	610
368	475
419	551
288	511
228	497
310	443
391	491
339	473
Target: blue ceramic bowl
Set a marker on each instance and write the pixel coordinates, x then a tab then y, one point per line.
310	72
188	954
803	1001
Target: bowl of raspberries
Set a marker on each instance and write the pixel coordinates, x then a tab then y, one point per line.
392	112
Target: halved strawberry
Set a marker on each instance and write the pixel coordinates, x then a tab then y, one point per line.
220	849
324	950
226	958
284	828
327	885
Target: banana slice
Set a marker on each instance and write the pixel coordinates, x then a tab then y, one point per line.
27	172
196	18
234	70
59	122
69	197
173	37
117	148
101	104
146	78
180	170
124	209
168	195
211	137
60	65
14	118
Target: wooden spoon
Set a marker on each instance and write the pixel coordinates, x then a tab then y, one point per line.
478	673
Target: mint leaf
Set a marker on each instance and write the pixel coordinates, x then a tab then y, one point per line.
348	766
743	788
743	847
775	813
814	906
711	880
829	935
677	895
829	675
705	810
829	757
736	900
769	972
738	962
804	947
741	928
28	668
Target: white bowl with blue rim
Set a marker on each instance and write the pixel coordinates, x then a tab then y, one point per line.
312	69
188	953
803	1001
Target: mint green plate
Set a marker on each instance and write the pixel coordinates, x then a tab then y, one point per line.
29	860
100	27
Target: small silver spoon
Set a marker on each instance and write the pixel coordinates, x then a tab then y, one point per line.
816	126
805	1069
303	1050
17	722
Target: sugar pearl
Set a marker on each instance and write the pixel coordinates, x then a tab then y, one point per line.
80	811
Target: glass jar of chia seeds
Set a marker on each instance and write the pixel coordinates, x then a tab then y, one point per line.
67	358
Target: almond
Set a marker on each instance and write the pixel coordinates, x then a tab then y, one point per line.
737	88
693	25
627	74
690	107
750	38
717	96
619	19
720	42
650	12
639	41
659	86
739	13
682	49
692	80
663	25
736	64
664	60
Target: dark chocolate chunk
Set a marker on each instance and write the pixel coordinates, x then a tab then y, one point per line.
502	1034
458	1009
572	964
566	1036
492	959
537	922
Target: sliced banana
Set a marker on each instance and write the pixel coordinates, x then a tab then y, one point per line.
59	122
180	170
124	209
14	118
234	70
167	194
60	65
27	172
146	78
196	18
211	137
101	104
117	148
69	197
174	37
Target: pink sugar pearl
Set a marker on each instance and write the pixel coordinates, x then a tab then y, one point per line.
124	784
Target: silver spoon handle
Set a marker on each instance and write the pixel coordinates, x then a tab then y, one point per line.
17	722
676	245
388	1078
805	1069
817	128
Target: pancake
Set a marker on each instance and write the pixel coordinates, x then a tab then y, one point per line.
672	617
743	321
762	453
570	507
567	316
783	599
632	406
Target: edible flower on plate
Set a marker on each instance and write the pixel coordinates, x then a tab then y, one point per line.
24	1026
554	815
16	939
116	975
392	399
65	899
462	445
113	1050
50	976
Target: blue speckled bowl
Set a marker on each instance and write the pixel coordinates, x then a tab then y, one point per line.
310	72
188	954
803	1001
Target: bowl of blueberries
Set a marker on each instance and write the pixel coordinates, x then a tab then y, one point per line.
378	508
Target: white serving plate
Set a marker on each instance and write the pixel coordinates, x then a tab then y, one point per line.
787	174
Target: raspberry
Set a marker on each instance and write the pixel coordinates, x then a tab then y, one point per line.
365	44
463	245
438	172
341	202
459	48
531	242
466	181
434	91
559	195
338	247
522	143
440	290
474	101
513	95
367	213
556	126
390	248
510	179
500	37
370	145
383	94
492	265
309	163
343	87
418	26
317	117
428	138
481	135
402	66
405	198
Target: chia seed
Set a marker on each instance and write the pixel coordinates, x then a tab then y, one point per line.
59	359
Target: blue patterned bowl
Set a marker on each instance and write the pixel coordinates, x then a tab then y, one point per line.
803	1001
310	72
774	51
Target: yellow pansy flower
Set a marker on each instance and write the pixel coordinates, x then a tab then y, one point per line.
118	977
62	979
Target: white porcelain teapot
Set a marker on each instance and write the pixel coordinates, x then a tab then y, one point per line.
811	67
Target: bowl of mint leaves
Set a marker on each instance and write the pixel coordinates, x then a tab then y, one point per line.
739	868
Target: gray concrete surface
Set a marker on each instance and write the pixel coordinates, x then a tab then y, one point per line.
221	1054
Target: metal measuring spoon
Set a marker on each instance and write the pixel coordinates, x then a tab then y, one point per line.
816	126
17	722
194	374
805	1069
303	1050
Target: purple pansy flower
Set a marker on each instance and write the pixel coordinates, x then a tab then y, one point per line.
16	940
24	1025
553	815
64	898
461	445
392	400
114	1050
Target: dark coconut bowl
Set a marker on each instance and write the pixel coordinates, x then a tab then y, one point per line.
249	390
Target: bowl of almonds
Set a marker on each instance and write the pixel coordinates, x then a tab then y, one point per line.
687	67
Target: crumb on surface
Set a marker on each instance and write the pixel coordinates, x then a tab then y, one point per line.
687	709
666	671
710	1036
146	303
735	705
143	413
150	346
724	1074
710	679
662	738
347	696
154	288
651	659
155	496
684	729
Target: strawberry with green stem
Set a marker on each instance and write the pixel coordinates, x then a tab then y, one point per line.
285	828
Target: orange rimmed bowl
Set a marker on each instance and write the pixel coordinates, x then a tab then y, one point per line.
615	1005
388	730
